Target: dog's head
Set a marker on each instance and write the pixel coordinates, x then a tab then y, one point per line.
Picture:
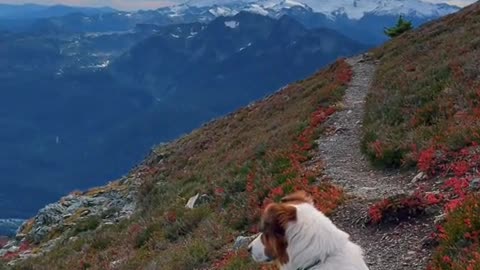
271	244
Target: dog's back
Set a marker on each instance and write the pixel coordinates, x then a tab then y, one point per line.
349	258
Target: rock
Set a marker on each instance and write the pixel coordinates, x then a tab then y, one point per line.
13	249
204	199
20	236
73	238
74	206
419	177
197	200
116	264
191	202
66	203
475	185
440	218
113	203
85	212
243	241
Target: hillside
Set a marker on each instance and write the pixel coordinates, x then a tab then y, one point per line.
423	112
254	153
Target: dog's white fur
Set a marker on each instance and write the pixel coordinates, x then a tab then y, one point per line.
314	242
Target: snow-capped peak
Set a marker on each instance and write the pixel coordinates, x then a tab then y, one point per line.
222	11
356	9
281	4
353	9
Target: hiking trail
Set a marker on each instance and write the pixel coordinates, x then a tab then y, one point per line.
387	247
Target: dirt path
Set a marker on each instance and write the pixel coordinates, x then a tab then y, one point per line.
387	248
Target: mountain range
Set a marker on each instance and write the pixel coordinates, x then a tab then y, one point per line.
34	11
22	17
362	20
78	109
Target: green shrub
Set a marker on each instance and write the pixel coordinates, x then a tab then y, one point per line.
401	27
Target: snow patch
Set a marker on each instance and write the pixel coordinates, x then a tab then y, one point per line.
243	48
222	11
232	24
192	34
258	9
356	9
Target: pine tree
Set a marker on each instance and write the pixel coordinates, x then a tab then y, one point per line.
401	27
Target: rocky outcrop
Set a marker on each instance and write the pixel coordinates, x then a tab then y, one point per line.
71	215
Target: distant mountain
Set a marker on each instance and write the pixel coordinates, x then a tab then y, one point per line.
353	9
361	20
208	63
79	110
33	11
22	17
8	227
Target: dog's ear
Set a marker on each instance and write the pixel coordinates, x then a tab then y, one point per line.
277	216
298	197
274	225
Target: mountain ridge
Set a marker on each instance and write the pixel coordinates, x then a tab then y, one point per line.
355	9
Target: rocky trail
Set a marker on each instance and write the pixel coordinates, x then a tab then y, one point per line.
395	247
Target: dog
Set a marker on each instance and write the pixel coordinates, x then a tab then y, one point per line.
296	236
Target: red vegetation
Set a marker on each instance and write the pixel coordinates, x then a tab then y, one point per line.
23	248
294	175
402	207
459	238
3	241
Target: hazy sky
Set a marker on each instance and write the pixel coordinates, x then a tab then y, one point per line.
149	4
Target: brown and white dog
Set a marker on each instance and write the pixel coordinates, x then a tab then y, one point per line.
296	236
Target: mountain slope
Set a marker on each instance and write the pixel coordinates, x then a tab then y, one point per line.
78	110
423	112
235	161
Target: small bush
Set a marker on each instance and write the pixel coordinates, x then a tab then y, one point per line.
459	238
181	221
401	207
401	27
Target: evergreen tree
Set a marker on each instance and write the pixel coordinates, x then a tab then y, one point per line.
401	27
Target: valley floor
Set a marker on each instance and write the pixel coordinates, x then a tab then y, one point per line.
400	246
